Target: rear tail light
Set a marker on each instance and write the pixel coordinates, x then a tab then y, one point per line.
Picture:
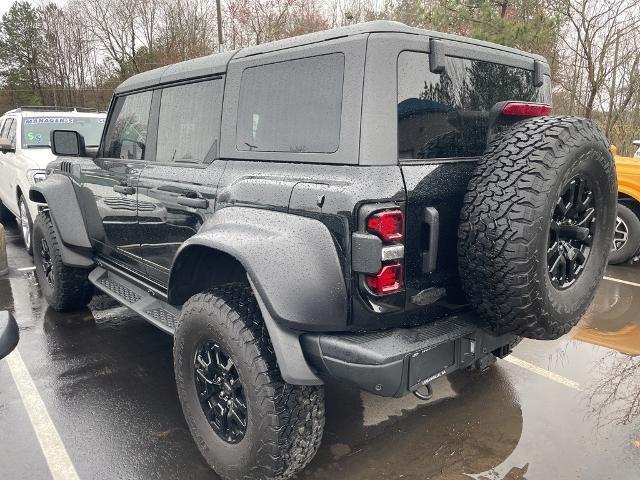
387	224
526	109
388	280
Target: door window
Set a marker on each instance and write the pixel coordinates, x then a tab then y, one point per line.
292	106
447	115
127	132
189	123
7	128
4	126
11	132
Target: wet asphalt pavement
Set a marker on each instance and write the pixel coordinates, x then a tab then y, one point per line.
564	409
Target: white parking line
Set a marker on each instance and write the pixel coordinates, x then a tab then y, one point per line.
626	282
51	444
25	269
544	373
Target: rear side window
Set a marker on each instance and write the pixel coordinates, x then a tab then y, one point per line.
447	115
292	106
189	124
127	132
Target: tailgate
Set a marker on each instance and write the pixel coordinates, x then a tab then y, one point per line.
435	192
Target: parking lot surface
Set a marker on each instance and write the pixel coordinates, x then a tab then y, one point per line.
104	403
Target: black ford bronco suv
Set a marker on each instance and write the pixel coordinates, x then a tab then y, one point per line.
378	204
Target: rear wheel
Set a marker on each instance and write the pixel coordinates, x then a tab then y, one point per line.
65	288
537	226
26	225
626	236
247	422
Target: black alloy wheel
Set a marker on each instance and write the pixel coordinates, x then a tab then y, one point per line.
571	233
220	392
47	263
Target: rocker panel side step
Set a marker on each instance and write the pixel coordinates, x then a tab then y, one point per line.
152	309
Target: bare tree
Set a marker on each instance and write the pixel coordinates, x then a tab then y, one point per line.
596	46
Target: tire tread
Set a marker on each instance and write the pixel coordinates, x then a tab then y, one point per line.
294	428
499	226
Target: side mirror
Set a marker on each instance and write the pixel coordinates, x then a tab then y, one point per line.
6	146
8	333
614	149
67	143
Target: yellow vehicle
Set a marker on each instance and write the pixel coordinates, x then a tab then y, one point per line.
626	241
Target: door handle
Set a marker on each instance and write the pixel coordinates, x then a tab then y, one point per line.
430	257
193	202
124	189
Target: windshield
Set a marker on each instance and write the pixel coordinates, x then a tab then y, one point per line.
36	130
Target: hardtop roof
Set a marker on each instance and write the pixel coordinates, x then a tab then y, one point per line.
217	63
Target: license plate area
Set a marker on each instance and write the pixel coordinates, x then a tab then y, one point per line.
427	365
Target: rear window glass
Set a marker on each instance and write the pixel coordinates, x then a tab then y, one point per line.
447	115
36	130
292	106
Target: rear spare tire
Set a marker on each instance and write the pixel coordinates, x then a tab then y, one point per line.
537	226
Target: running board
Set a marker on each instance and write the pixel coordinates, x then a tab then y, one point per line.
154	310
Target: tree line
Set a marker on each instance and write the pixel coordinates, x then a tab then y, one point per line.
75	54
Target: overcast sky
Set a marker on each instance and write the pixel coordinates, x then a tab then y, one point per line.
6	4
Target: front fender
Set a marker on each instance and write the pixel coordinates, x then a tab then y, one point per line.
58	194
291	260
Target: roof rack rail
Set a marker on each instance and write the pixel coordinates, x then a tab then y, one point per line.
43	108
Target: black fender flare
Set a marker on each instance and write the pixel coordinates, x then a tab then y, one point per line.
59	196
293	266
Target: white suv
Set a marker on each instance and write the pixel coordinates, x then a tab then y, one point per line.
637	144
25	153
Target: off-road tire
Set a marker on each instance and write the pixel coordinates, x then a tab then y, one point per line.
506	218
285	422
28	245
632	245
71	289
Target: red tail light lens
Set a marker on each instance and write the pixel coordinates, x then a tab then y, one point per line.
388	280
524	109
388	225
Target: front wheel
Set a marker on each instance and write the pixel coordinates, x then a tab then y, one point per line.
26	225
247	422
65	288
626	236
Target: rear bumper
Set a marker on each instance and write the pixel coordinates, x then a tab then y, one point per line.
393	363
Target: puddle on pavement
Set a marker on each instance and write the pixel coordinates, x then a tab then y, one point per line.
613	320
485	426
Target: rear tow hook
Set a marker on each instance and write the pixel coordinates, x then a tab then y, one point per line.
426	397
